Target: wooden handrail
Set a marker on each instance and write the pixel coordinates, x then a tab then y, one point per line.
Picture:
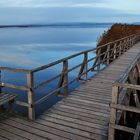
15	69
75	55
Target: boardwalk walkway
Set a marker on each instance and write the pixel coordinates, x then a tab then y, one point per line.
83	115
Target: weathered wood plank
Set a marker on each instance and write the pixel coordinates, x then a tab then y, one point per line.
10	136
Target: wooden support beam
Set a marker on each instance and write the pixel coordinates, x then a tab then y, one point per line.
30	83
123	128
128	86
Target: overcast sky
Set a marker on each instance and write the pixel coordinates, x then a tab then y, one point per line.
48	11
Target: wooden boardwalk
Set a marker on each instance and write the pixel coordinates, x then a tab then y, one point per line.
83	115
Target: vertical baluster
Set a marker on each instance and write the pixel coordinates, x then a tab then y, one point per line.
86	65
65	82
124	45
129	43
120	48
99	60
30	83
114	51
108	54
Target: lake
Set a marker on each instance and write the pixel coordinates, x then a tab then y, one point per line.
36	46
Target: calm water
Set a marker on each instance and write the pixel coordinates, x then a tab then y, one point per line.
33	47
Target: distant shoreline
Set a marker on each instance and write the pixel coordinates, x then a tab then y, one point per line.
57	25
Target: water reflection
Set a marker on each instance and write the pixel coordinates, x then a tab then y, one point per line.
33	47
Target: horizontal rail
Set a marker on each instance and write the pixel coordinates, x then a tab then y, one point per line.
15	69
20	103
128	86
125	108
60	61
7	85
122	128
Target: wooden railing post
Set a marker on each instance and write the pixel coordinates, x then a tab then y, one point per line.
120	48
113	113
65	82
86	65
131	42
124	44
127	44
98	60
114	51
108	54
30	83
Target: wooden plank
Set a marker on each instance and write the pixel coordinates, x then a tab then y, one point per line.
100	100
2	138
79	113
93	94
32	130
84	134
92	108
76	121
49	128
10	136
77	116
81	130
90	102
84	111
95	131
20	132
93	105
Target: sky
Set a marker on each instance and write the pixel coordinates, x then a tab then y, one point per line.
52	11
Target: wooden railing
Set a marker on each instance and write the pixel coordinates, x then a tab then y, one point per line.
99	62
122	89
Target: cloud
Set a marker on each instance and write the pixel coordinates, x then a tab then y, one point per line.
49	3
128	6
45	11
